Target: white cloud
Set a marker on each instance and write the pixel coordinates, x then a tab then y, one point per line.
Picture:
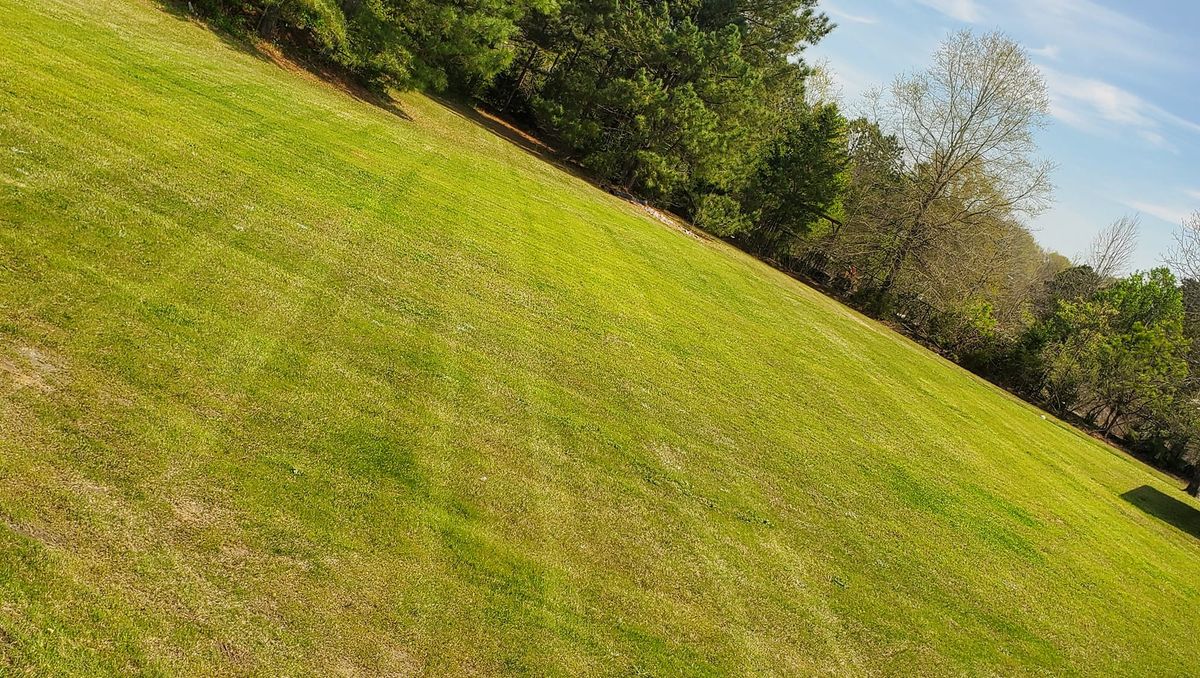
1157	140
967	11
1193	193
1179	121
1169	214
1052	52
1090	104
1102	108
1093	31
840	14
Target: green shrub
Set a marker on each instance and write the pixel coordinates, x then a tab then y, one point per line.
720	215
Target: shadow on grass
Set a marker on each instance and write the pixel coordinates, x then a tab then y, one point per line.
514	135
283	54
496	123
1166	508
180	10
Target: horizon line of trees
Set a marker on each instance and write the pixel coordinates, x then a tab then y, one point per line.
914	209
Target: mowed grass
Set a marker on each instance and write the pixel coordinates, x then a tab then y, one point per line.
291	384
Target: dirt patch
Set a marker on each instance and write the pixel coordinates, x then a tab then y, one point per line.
670	220
514	131
30	368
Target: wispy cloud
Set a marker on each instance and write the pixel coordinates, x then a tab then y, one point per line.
841	14
1052	52
1100	107
1179	121
1193	193
1085	28
1156	140
1169	214
1090	30
967	11
1088	103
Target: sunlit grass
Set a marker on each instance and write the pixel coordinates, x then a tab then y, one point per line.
291	384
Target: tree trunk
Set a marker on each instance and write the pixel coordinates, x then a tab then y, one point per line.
903	249
1193	487
1114	416
537	88
520	78
889	281
266	22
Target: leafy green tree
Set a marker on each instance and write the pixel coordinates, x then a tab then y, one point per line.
721	215
800	178
462	44
1072	284
875	174
434	44
663	99
1118	357
1184	420
1184	257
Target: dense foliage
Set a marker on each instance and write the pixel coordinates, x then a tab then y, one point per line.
398	43
676	101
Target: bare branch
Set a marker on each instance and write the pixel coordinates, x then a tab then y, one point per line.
1111	251
1184	255
965	130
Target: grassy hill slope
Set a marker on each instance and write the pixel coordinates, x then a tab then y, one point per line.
293	384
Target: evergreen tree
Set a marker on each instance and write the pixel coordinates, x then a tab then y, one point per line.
662	99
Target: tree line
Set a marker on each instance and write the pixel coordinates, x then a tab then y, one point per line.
913	209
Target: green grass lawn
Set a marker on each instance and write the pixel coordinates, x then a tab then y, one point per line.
292	384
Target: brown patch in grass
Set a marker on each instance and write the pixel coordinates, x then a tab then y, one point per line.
234	655
8	649
668	455
30	368
190	511
512	130
674	221
31	532
394	662
23	378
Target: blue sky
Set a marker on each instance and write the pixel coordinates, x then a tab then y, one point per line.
1124	84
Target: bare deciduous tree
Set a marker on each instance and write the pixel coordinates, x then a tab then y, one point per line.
1184	255
966	128
820	85
998	263
1111	251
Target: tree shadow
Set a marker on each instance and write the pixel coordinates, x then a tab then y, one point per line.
484	117
180	9
284	55
514	135
1166	508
